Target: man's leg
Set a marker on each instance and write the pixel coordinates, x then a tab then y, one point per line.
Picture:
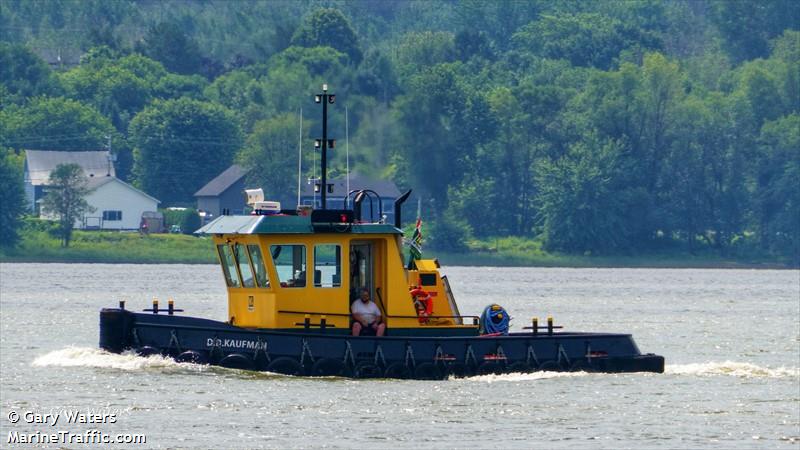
356	328
380	329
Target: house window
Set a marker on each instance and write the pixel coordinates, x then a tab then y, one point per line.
112	215
327	265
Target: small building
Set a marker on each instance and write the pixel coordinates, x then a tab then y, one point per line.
117	206
387	191
39	164
225	192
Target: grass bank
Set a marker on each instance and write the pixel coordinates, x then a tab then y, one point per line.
112	247
515	251
116	247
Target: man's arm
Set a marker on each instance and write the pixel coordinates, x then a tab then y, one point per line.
378	315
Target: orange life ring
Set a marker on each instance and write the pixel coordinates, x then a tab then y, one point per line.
423	302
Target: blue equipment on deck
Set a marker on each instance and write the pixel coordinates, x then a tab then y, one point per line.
494	320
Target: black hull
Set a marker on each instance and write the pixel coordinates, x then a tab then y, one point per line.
316	353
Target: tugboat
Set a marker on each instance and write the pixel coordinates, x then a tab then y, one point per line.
292	275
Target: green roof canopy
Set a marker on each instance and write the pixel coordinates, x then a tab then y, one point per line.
280	224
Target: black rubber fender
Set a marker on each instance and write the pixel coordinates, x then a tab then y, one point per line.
582	365
147	351
458	370
490	367
328	367
428	371
519	367
286	366
191	356
397	370
367	370
237	361
550	366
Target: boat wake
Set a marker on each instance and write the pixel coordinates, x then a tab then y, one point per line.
492	378
734	369
93	357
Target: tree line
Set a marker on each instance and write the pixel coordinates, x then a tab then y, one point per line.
597	127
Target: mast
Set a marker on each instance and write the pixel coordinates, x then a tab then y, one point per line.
324	143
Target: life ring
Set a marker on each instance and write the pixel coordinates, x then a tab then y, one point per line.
423	303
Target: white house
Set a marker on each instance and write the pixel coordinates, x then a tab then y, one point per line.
117	205
39	164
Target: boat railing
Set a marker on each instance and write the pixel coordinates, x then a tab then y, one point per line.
475	319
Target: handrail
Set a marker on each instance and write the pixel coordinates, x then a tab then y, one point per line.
380	299
315	313
475	319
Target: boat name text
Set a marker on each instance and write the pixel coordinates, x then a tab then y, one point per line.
236	343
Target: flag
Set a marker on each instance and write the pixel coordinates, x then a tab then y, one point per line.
416	241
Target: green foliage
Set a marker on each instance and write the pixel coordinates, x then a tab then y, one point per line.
65	198
266	158
23	74
54	124
329	28
584	39
13	195
586	205
449	233
777	195
602	127
111	247
179	145
168	44
420	50
188	220
748	27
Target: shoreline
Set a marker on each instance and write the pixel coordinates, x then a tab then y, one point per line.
457	260
131	248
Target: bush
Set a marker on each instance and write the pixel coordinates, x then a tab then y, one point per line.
187	219
450	233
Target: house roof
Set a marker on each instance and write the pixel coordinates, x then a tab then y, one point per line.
222	182
384	188
96	182
39	163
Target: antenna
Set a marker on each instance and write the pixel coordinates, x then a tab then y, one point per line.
299	157
347	147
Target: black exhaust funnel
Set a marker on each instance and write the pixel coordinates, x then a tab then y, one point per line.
397	207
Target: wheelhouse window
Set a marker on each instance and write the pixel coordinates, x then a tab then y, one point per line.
290	263
258	264
327	265
228	266
244	266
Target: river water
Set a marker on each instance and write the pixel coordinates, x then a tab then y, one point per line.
731	339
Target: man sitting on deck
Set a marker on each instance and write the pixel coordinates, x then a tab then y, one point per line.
366	316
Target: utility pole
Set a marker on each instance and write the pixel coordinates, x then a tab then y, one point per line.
108	147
